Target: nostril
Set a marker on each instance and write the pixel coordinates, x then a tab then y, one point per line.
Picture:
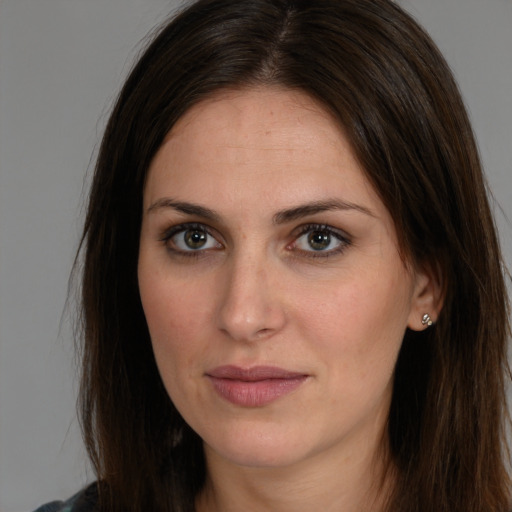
263	332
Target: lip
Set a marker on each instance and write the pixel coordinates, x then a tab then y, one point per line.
256	386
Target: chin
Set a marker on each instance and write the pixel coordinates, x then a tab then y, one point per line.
257	449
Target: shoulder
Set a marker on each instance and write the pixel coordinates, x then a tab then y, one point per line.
84	501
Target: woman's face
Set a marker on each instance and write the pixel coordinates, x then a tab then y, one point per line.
271	281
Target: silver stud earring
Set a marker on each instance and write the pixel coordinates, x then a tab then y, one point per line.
426	320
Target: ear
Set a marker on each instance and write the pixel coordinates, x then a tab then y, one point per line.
428	296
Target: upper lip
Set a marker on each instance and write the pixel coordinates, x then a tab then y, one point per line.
252	374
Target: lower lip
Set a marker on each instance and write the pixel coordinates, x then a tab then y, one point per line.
255	393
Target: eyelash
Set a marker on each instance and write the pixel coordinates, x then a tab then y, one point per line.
183	228
342	238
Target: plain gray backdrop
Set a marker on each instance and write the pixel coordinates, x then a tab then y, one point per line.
61	64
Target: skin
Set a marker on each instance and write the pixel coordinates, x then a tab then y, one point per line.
257	293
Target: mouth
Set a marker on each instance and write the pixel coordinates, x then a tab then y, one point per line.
256	386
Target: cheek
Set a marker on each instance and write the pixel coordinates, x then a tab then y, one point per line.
361	326
175	317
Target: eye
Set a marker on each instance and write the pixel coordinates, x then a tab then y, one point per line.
190	238
321	239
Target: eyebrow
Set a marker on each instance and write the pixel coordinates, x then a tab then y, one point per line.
281	217
304	210
184	207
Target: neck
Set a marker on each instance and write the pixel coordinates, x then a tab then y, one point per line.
354	483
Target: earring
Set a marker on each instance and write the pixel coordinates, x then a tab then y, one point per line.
426	320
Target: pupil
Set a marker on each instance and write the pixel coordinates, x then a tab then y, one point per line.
319	240
195	239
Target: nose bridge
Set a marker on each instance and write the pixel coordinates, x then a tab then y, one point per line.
250	307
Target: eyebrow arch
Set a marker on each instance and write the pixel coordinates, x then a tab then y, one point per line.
184	207
298	212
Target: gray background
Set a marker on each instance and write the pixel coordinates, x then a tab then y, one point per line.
61	64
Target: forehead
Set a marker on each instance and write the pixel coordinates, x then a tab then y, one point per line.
256	111
259	147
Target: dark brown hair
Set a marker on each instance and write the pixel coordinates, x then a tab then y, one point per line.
381	76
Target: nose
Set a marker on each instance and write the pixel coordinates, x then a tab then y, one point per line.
250	306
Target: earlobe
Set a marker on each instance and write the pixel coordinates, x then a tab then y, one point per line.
427	299
427	320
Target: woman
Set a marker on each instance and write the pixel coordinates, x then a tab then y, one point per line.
293	295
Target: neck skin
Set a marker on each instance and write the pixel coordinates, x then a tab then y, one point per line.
350	480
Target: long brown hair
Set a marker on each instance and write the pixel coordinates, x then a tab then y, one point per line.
382	77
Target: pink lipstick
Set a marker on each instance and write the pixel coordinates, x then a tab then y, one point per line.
254	387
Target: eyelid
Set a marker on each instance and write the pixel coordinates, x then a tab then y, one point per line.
344	238
169	233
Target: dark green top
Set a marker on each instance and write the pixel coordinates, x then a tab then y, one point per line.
83	501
